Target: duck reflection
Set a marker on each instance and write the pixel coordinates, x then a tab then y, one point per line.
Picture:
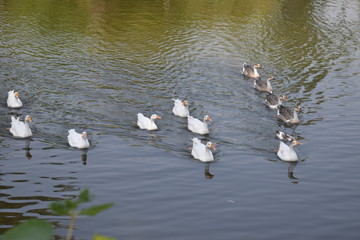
291	172
84	156
207	173
27	148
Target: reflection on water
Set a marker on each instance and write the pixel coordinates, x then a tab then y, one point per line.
84	156
95	65
291	172
207	173
27	148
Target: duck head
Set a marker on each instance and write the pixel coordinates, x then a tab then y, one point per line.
84	135
207	118
28	118
210	145
154	117
298	109
295	143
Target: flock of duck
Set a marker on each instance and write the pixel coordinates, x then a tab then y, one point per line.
199	150
22	129
203	152
286	150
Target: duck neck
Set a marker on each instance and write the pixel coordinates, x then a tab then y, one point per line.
205	124
291	147
152	122
268	84
295	115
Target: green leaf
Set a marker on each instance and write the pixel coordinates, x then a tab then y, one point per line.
63	207
92	211
84	197
30	230
99	237
59	208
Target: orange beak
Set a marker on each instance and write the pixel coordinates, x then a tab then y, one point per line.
17	94
213	146
158	117
185	103
29	119
298	143
84	135
209	119
284	98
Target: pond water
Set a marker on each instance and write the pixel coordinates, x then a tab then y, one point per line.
93	65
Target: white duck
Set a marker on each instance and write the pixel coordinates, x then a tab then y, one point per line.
283	136
251	71
13	100
197	126
147	123
273	101
78	140
287	153
20	129
180	108
201	151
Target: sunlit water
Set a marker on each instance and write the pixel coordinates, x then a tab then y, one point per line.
94	65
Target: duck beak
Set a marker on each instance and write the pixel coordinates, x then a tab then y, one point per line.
185	103
284	98
213	146
298	143
158	117
29	119
16	94
84	135
209	119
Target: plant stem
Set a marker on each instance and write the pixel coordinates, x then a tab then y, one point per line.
71	227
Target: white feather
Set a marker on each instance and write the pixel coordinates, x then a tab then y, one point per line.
13	101
78	140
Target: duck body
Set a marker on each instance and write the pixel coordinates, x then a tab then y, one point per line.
20	129
197	126
287	153
147	123
13	100
180	108
287	115
201	151
78	140
251	71
263	86
273	101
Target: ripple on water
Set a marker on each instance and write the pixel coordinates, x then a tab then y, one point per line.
95	68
